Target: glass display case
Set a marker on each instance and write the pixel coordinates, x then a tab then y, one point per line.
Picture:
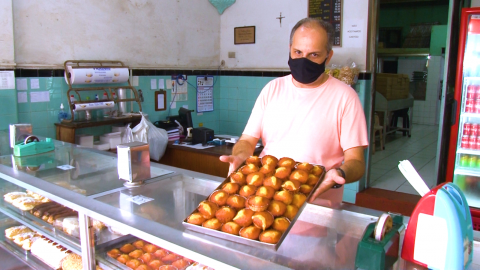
86	181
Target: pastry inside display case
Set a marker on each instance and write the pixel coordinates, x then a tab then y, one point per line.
259	201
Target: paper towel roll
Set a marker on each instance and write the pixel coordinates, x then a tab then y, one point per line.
94	105
97	75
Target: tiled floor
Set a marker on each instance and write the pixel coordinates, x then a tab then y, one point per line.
420	149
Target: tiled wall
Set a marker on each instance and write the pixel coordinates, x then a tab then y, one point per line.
8	108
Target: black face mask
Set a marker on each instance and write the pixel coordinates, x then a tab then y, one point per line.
305	71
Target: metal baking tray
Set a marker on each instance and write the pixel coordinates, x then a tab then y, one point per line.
246	241
117	243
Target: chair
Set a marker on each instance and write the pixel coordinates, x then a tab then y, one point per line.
379	129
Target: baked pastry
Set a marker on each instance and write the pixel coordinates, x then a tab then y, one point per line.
196	218
268	159
262	220
19	238
181	264
236	201
133	263
170	258
124	258
98	225
136	253
266	192
143	267
72	262
247	190
277	208
13	231
282	172
27	244
150	248
291	185
25	203
316	170
114	253
213	224
244	217
219	197
225	214
167	267
37	196
155	264
249	168
304	166
49	252
9	197
231	188
299	175
231	228
71	227
255	160
257	203
255	179
127	248
273	182
286	162
291	211
138	244
305	189
146	257
299	199
312	179
270	236
250	232
207	209
284	196
160	253
267	169
281	224
238	177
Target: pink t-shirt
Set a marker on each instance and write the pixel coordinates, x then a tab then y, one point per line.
312	125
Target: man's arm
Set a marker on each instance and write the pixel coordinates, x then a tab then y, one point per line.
353	166
243	149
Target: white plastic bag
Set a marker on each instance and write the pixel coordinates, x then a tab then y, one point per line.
127	135
140	131
157	138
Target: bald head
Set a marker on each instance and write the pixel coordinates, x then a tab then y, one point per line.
315	23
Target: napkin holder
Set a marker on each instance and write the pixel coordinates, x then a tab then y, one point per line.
133	163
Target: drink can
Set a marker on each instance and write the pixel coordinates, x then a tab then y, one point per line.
467	128
476	108
465	142
469	105
477	91
472	161
464	160
471	92
475	130
472	142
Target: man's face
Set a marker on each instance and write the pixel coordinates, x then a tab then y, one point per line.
310	42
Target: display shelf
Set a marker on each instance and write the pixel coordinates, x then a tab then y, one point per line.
470	115
467	171
468	151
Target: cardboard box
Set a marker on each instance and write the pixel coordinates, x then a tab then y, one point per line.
392	86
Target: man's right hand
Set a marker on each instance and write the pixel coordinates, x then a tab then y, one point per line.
234	161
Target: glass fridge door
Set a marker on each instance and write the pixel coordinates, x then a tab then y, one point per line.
467	162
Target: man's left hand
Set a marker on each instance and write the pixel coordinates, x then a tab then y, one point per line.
332	177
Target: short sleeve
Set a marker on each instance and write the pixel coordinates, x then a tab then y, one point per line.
254	124
353	125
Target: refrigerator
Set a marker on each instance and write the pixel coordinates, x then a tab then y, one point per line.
463	166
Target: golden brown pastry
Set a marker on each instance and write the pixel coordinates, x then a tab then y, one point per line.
247	190
269	160
167	267
305	189
114	253
181	264
231	228
213	224
138	244
207	209
170	258
72	262
312	179
151	248
160	253
291	211
284	196
13	231
277	208
236	201
9	197
255	179
136	253
281	224
219	197
266	192
146	257
225	214
249	168
282	172
305	166
196	218
231	188
286	162
155	264
262	220
124	258
257	203
291	185
127	248
316	170
143	267
25	203
267	169
244	217
133	263
250	232
299	175
273	182
270	236
299	199
238	177
255	160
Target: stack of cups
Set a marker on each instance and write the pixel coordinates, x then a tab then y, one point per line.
471	136
472	104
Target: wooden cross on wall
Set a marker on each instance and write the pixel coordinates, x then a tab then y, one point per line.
280	18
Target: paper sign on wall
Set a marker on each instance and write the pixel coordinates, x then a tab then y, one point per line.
7	80
353	35
41	96
22	84
22	97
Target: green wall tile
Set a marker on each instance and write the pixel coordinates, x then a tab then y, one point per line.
349	195
232	104
232	116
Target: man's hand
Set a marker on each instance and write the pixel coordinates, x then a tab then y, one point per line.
332	177
234	161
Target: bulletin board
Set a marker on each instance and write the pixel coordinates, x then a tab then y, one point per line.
330	11
205	93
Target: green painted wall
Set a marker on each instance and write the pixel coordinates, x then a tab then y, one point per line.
438	39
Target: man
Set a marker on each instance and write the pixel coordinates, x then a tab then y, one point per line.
308	115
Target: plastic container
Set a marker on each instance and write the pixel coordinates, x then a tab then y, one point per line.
84	140
113	139
101	146
62	114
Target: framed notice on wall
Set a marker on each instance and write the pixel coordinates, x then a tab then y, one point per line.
244	35
330	11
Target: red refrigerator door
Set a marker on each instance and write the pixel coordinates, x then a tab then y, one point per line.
464	151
